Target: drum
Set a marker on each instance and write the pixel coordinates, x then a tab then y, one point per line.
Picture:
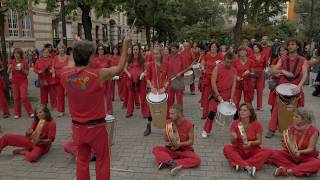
177	83
267	72
286	103
158	108
115	78
188	77
289	143
196	70
19	66
111	124
172	134
225	112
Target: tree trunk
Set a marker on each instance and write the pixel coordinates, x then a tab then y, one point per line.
240	19
4	55
86	22
148	35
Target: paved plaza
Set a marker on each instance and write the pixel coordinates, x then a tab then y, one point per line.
131	157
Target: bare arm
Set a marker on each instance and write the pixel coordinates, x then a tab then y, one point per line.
191	139
304	74
312	144
108	73
257	142
214	82
233	89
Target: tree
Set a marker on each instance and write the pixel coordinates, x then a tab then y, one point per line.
240	20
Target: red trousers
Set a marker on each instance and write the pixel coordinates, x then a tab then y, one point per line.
20	93
45	92
247	96
273	123
59	92
272	97
108	98
3	102
71	147
141	94
246	157
125	91
187	159
304	166
33	152
172	94
259	86
121	89
95	138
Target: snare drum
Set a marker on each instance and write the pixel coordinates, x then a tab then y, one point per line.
196	70
286	102
172	134
188	77
225	112
158	108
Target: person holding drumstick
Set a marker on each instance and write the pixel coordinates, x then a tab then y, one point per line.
292	69
85	87
304	160
179	155
157	79
246	138
223	83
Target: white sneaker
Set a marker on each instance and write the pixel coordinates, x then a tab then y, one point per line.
60	114
204	134
32	115
16	117
253	171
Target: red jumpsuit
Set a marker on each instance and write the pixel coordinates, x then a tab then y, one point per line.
187	60
175	63
272	93
273	123
185	155
43	69
210	63
3	100
305	164
259	64
224	84
20	88
87	109
121	83
245	85
251	156
59	63
33	151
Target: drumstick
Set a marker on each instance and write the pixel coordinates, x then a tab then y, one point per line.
181	72
134	22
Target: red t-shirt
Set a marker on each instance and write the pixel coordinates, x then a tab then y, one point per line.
241	68
298	73
224	80
210	63
183	129
44	65
259	63
59	64
48	132
186	57
266	52
254	128
157	74
85	93
175	65
101	62
17	75
135	69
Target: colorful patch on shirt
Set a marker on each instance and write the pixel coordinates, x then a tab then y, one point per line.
78	81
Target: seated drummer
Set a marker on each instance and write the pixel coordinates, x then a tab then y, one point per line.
303	161
157	79
182	155
244	151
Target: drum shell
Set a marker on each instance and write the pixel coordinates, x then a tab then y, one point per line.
196	71
158	112
111	124
285	106
188	79
177	84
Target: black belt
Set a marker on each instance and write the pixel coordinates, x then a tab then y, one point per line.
90	122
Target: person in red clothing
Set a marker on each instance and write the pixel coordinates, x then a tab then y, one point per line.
176	66
260	61
19	69
157	79
304	161
266	50
246	138
224	85
3	100
115	58
85	87
33	146
282	52
292	69
245	43
187	57
136	86
182	155
212	58
245	70
58	63
43	68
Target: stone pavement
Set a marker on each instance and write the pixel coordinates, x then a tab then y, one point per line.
131	154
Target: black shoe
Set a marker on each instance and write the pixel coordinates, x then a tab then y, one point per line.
93	158
269	134
316	92
147	132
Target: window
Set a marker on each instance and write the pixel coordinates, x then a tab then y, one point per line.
13	23
104	32
80	27
26	27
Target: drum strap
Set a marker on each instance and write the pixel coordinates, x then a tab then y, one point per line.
294	68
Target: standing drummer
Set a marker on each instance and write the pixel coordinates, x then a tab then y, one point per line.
157	79
292	69
223	83
182	155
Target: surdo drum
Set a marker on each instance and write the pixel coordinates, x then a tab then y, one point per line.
158	108
188	77
196	70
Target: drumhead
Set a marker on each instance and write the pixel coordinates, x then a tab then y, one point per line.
226	108
156	98
188	73
285	89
